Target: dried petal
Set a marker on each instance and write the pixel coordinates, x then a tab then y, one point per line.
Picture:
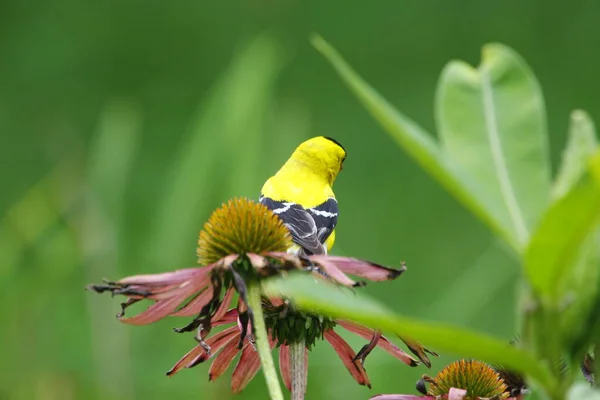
383	342
223	360
166	278
332	270
195	305
245	369
185	360
158	310
224	306
284	366
418	350
198	354
214	344
368	348
346	354
229	317
364	269
457	394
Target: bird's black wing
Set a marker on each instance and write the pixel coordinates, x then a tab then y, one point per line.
301	223
326	217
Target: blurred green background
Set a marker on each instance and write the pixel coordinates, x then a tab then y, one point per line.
123	124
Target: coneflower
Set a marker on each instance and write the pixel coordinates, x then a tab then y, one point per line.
243	243
460	380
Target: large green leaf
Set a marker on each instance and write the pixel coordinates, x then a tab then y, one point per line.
553	249
492	127
581	144
326	299
419	144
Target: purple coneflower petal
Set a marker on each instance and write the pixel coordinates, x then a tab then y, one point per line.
364	269
284	366
223	359
346	354
332	270
224	306
229	317
215	343
383	342
160	309
196	304
198	355
245	369
185	360
457	394
165	278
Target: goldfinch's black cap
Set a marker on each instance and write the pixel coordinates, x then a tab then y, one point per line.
336	142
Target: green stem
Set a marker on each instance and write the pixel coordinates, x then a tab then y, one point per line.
298	370
262	343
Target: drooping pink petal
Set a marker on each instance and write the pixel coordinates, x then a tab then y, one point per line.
166	278
196	304
332	270
384	343
199	282
246	369
223	359
364	352
346	354
160	309
198	354
457	394
229	317
215	343
224	306
364	269
185	360
284	366
401	397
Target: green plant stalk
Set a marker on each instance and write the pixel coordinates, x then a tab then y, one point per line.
262	343
298	370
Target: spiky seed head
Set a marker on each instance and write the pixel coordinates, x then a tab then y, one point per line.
476	377
241	226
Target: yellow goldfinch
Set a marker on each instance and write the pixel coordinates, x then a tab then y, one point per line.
301	194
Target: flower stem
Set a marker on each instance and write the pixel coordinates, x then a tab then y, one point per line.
262	343
298	370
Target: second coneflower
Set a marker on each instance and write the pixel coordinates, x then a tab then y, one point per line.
460	380
242	243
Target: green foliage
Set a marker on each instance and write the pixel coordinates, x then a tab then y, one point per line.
493	156
326	299
79	203
492	127
552	252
